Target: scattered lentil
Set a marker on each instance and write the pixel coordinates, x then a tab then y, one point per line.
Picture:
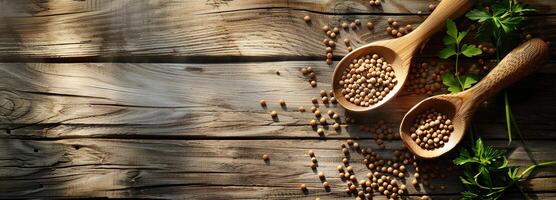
307	18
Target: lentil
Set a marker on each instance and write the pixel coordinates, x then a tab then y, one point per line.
307	18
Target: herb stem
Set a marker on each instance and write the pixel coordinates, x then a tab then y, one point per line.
508	117
534	166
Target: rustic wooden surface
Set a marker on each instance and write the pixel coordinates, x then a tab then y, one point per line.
177	115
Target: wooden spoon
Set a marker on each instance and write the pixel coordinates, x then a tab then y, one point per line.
399	52
460	107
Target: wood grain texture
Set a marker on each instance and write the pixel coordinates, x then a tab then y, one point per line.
210	100
171	30
169	168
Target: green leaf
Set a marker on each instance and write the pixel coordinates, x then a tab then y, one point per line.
448	40
461	35
468	81
447	52
451	82
479	147
468	195
478	15
499	9
465	181
470	50
451	28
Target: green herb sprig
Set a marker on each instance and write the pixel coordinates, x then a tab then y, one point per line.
454	47
487	173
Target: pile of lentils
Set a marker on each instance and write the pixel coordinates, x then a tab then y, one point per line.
367	80
431	129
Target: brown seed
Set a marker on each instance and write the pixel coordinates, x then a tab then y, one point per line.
314	100
273	114
345	161
301	109
336	30
265	157
322	121
320	131
331	43
263	103
349	168
358	22
345	151
322	93
325	28
321	175
414	182
390	20
324	99
317	113
282	102
307	18
340	168
336	126
326	184
353	25
350	142
329	61
370	25
314	160
311	153
313	83
314	165
350	49
346	41
303	187
313	122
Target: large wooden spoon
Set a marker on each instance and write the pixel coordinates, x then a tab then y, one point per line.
399	52
460	107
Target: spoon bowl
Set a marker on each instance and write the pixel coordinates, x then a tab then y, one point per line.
398	52
460	107
388	54
445	104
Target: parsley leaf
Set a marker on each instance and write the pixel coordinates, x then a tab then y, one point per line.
447	52
450	81
470	50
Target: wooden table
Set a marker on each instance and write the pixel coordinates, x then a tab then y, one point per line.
160	99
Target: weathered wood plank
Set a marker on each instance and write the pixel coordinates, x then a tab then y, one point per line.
211	100
144	168
164	31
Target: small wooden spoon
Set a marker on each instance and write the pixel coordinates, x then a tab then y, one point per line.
399	52
460	107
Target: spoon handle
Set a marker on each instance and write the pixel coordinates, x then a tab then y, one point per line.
520	62
446	9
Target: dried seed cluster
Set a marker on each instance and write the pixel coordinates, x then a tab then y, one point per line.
384	174
431	129
367	80
331	34
310	73
395	29
320	118
426	78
